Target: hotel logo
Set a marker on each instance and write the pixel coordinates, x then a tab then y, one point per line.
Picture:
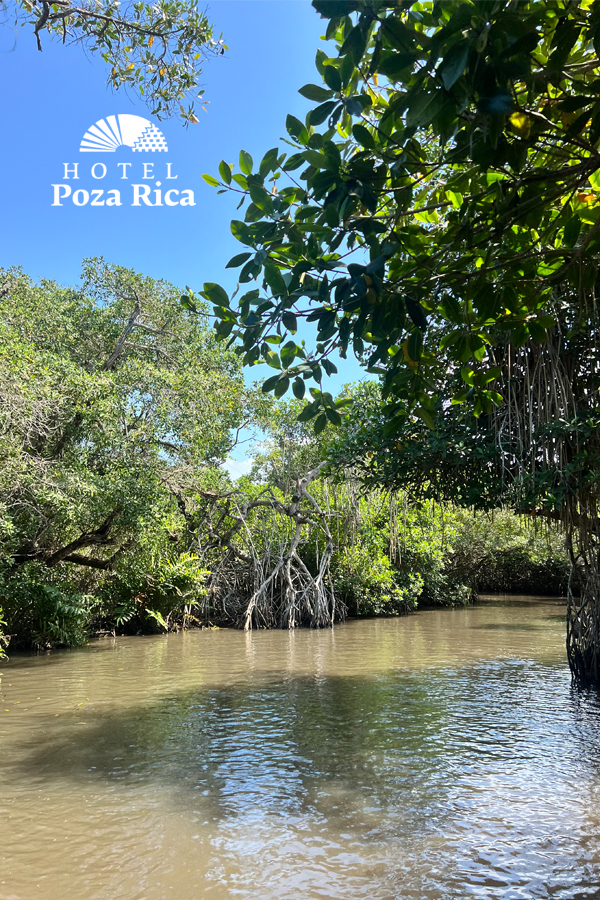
114	134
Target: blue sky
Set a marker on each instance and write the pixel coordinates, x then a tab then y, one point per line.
53	97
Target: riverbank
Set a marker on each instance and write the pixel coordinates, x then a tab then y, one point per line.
503	599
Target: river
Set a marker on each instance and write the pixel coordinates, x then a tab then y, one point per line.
440	756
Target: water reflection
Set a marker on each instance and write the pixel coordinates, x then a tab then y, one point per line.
444	755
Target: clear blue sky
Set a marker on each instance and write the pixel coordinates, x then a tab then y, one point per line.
51	98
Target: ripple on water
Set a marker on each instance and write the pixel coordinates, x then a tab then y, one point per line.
440	756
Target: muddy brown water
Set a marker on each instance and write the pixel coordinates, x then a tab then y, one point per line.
442	755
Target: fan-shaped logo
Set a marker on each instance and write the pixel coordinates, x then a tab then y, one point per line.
125	130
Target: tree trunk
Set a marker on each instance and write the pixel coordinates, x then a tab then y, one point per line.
583	615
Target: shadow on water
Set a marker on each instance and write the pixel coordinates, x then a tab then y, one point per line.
460	771
519	600
385	737
504	626
21	660
271	747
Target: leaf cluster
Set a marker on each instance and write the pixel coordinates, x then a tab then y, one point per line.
155	49
439	199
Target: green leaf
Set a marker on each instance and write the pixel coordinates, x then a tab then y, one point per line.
537	332
394	425
290	321
270	383
274	279
355	43
332	78
460	396
354	107
299	388
318	115
455	198
454	64
238	260
329	9
241	231
188	303
253	214
314	92
415	311
468	375
215	293
320	423
415	345
295	127
395	65
268	162
261	198
223	329
225	171
288	353
154	614
293	162
450	308
363	136
397	33
245	162
210	180
249	272
572	229
333	416
315	158
423	108
281	387
272	359
426	416
308	413
546	321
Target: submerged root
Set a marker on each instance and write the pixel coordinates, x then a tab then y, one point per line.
583	620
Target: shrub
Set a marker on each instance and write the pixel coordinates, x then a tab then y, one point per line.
165	597
506	553
366	580
42	614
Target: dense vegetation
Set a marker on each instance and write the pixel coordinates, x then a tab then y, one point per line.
117	411
394	549
113	404
439	216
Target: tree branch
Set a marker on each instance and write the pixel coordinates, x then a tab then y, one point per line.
120	345
100	535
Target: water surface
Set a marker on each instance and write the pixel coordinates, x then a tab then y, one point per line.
441	756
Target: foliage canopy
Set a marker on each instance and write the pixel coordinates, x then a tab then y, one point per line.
116	410
155	49
115	405
447	176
